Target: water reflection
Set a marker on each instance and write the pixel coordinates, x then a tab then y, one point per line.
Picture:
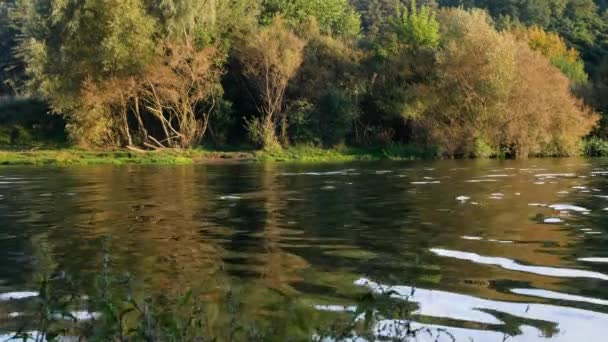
525	321
276	235
515	266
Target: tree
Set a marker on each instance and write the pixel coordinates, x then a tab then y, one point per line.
325	93
552	46
403	55
335	17
181	89
11	68
66	43
270	58
493	95
544	117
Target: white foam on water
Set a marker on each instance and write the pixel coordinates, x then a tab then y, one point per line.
559	296
463	198
539	183
17	295
554	175
336	308
328	187
497	176
424	183
600	173
476	238
480	181
568	207
564	192
78	315
537	204
230	198
512	265
328	173
594	260
553	220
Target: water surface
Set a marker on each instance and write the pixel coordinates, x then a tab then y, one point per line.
484	249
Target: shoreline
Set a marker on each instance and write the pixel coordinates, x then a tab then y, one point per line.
69	157
295	154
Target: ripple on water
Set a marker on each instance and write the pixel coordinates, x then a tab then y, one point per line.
512	265
424	183
595	260
564	323
568	207
559	296
17	295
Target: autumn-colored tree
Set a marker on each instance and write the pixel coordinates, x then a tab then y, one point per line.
552	46
493	95
181	88
270	58
543	116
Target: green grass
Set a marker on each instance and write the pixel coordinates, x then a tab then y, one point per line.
303	153
311	154
595	147
79	157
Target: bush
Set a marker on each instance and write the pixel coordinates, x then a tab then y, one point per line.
483	150
595	147
410	152
335	119
26	122
302	128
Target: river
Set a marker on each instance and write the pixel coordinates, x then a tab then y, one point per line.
482	249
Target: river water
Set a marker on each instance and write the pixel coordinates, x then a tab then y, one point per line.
484	250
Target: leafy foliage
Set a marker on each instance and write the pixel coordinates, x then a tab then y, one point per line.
155	74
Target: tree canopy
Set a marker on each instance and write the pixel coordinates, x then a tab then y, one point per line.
464	77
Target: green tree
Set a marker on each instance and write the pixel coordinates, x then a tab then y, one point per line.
335	17
67	44
11	68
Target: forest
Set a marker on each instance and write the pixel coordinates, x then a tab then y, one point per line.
460	78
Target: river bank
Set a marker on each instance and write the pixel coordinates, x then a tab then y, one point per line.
593	147
69	156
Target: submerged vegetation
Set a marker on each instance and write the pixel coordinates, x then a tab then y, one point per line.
118	309
456	78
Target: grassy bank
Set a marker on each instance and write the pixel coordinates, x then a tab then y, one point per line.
200	156
303	154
